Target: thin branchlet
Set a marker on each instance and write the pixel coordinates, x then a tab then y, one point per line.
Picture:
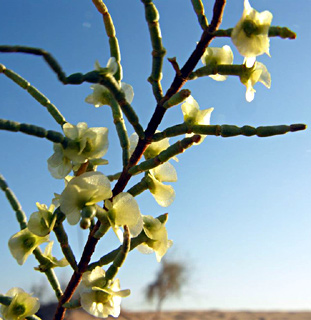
111	33
198	8
158	52
227	131
35	93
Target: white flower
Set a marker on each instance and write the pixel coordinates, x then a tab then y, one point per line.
153	149
52	261
99	298
58	164
217	56
84	190
124	210
23	243
22	305
42	222
86	144
156	232
257	73
194	116
250	35
92	142
163	194
101	95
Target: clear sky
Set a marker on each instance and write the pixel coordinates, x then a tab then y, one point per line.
241	218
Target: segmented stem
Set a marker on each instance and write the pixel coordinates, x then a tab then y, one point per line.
62	238
138	188
158	52
20	214
40	97
109	82
274	31
121	130
222	69
177	98
22	220
111	33
170	152
227	131
50	274
198	8
35	131
121	256
115	176
109	257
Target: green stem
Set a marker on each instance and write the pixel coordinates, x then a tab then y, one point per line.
170	152
138	188
177	98
42	99
274	31
111	33
62	238
228	130
20	214
121	256
158	52
22	220
115	176
121	130
222	69
109	82
198	8
50	274
33	130
108	258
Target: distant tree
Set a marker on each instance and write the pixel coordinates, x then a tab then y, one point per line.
168	282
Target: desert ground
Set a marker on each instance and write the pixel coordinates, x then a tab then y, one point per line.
202	315
48	312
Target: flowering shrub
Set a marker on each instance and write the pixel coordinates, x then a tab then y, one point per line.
99	202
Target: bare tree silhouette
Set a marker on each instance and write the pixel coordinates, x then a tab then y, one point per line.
168	282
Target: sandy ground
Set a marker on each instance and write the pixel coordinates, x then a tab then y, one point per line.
201	315
47	312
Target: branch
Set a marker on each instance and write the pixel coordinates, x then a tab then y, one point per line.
41	98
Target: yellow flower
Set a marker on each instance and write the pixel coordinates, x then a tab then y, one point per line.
163	194
42	222
124	210
250	35
217	56
84	190
52	261
86	144
156	232
98	297
101	95
22	305
257	73
23	243
194	116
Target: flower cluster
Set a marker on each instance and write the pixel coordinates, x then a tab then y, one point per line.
82	151
99	297
101	95
251	38
85	144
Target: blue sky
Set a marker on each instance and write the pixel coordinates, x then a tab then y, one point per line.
241	218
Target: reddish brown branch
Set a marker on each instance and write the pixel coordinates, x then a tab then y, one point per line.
156	119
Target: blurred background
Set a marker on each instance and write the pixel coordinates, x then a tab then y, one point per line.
241	218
